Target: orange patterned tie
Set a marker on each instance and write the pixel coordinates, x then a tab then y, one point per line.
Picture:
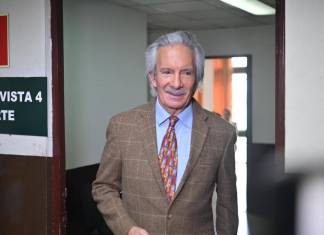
168	158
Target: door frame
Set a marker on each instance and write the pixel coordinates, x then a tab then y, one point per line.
58	191
249	97
280	79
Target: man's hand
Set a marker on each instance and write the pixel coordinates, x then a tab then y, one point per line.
137	231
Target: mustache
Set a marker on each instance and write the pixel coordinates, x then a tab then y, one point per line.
175	92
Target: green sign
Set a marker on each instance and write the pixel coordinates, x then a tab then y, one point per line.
23	106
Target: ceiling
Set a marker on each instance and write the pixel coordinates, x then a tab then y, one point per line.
194	14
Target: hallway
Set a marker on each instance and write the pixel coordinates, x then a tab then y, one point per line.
249	224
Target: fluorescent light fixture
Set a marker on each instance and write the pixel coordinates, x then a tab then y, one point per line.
252	6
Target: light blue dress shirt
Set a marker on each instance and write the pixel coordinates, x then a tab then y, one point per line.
183	129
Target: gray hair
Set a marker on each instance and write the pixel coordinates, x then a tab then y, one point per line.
178	37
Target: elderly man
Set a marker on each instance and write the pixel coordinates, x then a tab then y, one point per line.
162	160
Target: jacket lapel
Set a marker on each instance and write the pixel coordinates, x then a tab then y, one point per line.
198	137
147	125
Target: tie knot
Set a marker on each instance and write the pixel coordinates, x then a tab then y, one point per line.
173	120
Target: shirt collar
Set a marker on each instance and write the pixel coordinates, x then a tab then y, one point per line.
185	117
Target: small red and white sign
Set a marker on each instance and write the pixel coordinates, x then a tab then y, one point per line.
4	41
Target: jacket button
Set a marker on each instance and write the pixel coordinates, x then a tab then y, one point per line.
169	216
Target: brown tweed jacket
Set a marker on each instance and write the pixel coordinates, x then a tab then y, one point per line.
129	169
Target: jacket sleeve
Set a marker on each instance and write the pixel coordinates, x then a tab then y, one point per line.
226	205
106	188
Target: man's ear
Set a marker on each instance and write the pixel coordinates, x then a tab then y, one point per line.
152	78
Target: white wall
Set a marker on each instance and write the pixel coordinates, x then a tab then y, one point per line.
104	72
26	38
304	114
30	56
310	206
260	43
304	85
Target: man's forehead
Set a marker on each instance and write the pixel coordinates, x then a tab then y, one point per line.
172	46
178	52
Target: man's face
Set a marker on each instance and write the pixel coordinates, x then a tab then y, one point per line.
174	79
